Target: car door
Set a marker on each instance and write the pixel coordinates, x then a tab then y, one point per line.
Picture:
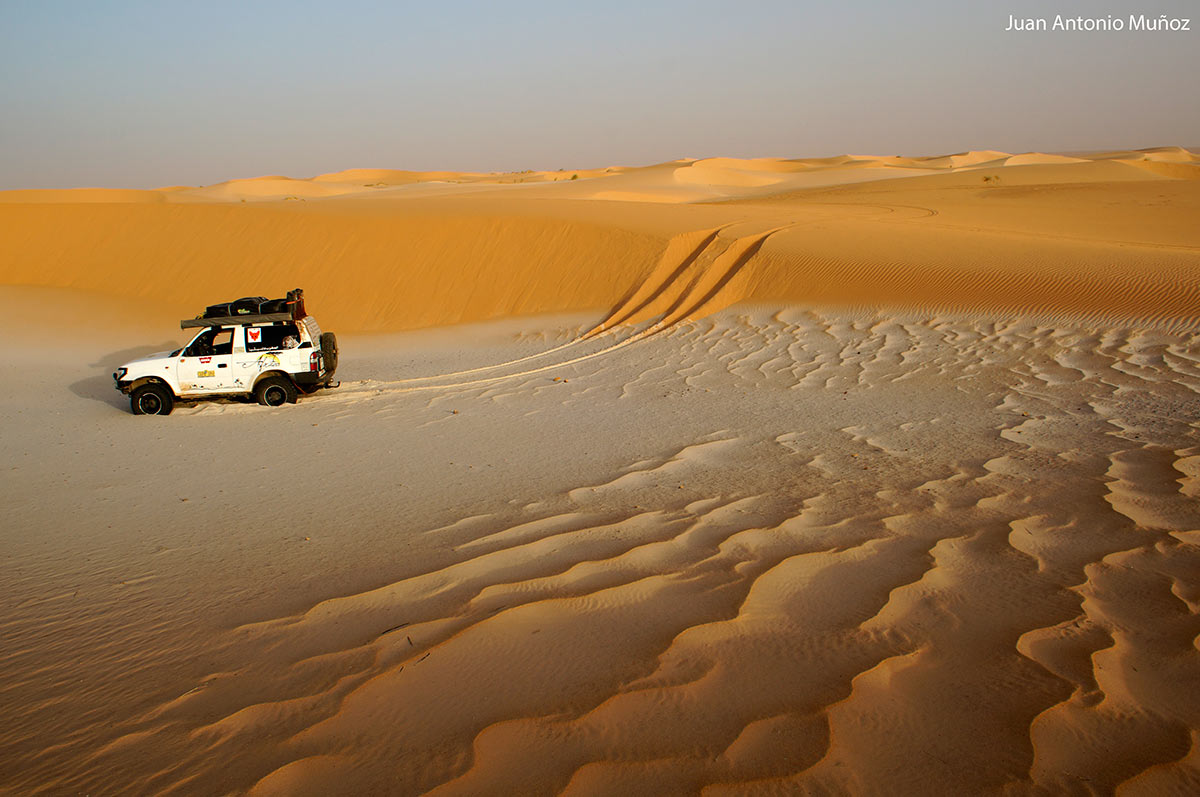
204	366
244	366
266	349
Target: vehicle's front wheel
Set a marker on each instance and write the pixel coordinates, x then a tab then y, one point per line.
151	399
275	391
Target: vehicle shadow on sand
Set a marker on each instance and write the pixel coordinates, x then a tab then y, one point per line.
101	386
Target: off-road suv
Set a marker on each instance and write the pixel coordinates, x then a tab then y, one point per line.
269	349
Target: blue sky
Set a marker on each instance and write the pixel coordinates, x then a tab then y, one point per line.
142	94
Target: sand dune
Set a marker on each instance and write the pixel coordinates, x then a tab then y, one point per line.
82	195
1030	158
378	177
854	232
833	475
270	187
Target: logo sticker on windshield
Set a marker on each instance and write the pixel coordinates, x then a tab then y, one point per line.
254	335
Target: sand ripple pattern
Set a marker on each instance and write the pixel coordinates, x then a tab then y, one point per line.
931	556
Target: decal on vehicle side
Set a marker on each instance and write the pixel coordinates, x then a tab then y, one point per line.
203	374
206	360
267	361
254	335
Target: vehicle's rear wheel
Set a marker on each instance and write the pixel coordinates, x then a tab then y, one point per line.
151	399
275	391
329	353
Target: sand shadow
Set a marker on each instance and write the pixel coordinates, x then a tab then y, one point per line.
101	386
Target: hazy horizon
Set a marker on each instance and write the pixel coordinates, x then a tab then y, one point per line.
144	94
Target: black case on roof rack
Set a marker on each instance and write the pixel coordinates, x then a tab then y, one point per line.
250	310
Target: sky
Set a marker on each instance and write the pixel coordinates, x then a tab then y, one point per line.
148	93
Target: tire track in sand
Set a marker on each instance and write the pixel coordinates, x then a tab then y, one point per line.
704	292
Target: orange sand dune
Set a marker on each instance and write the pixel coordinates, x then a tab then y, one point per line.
67	196
981	230
270	187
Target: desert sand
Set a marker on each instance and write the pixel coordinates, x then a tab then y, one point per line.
866	475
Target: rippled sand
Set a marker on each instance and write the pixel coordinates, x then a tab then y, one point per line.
776	549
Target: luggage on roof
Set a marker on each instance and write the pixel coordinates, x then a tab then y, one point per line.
248	305
293	304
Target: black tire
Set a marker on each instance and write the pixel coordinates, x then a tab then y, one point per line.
329	353
275	391
151	399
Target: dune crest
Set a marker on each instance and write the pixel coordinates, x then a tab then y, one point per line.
57	196
1063	237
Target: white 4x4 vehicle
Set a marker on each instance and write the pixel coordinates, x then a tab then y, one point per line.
239	351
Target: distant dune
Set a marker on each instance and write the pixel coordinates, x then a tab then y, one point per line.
1108	235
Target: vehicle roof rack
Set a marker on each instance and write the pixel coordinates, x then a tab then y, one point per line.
294	300
232	320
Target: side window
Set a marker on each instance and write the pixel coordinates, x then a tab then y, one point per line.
272	337
210	342
202	345
223	342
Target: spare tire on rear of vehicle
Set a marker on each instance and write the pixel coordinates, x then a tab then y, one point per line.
329	352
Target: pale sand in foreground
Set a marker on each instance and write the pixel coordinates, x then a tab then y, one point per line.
769	549
672	542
